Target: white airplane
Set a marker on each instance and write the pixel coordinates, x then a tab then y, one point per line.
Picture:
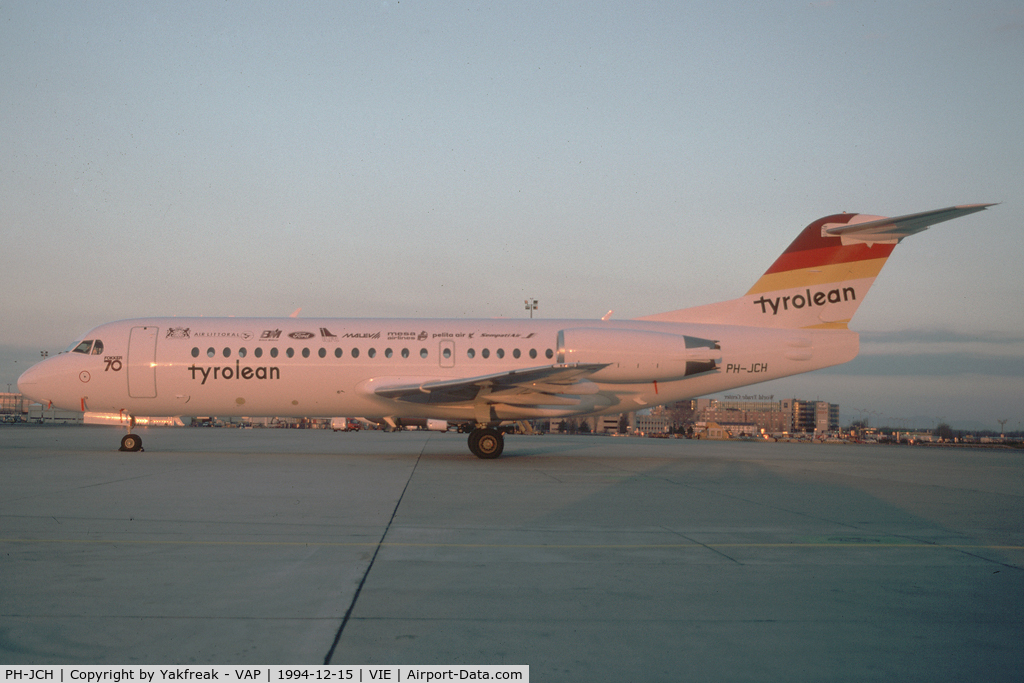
486	372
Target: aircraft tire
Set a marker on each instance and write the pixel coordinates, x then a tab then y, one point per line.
131	442
486	443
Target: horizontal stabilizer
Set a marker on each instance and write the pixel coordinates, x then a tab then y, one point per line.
892	230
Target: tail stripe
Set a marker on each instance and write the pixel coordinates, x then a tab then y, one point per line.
775	280
834	253
814	259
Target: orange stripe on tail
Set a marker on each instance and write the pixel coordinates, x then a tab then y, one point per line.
815	260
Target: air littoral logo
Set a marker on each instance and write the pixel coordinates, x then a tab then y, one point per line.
797	301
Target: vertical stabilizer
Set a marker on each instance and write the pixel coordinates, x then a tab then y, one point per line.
818	282
824	275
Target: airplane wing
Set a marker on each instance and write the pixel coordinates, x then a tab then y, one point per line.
529	386
893	230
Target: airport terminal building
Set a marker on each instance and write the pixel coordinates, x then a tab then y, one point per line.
742	415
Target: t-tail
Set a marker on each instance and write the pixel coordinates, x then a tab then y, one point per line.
824	275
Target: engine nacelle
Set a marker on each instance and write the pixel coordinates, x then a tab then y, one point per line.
638	355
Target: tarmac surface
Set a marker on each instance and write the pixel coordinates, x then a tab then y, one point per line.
587	558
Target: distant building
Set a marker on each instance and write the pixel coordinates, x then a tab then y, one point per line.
656	421
752	415
606	424
765	415
812	416
11	404
711	430
13	407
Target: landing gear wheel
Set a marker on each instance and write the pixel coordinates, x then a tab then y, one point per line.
131	442
486	443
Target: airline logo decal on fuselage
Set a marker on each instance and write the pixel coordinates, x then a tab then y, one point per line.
237	372
244	336
797	301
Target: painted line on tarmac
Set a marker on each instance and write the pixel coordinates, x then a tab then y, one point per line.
896	544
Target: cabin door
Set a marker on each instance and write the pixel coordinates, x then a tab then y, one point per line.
142	362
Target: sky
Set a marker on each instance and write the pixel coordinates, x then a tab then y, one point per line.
428	159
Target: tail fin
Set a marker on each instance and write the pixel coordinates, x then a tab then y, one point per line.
821	279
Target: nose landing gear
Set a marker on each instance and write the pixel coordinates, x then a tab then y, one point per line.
131	442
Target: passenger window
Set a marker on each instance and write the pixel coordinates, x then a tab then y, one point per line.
305	353
195	352
83	347
515	353
405	353
290	352
549	353
355	353
273	352
471	353
447	353
486	353
227	352
322	352
501	353
372	353
337	352
97	348
423	353
258	352
533	353
388	353
211	352
242	352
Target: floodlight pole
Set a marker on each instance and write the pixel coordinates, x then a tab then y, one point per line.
531	305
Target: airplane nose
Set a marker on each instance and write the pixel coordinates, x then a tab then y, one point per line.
55	381
28	383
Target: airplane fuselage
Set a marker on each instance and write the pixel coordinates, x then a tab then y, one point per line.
327	367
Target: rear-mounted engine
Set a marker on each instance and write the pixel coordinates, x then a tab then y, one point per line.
638	355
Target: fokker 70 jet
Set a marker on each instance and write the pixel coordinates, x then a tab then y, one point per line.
482	373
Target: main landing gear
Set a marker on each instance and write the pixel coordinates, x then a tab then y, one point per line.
131	442
486	442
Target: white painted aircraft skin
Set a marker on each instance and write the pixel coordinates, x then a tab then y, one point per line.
484	372
174	382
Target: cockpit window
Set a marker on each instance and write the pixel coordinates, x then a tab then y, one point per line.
89	346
